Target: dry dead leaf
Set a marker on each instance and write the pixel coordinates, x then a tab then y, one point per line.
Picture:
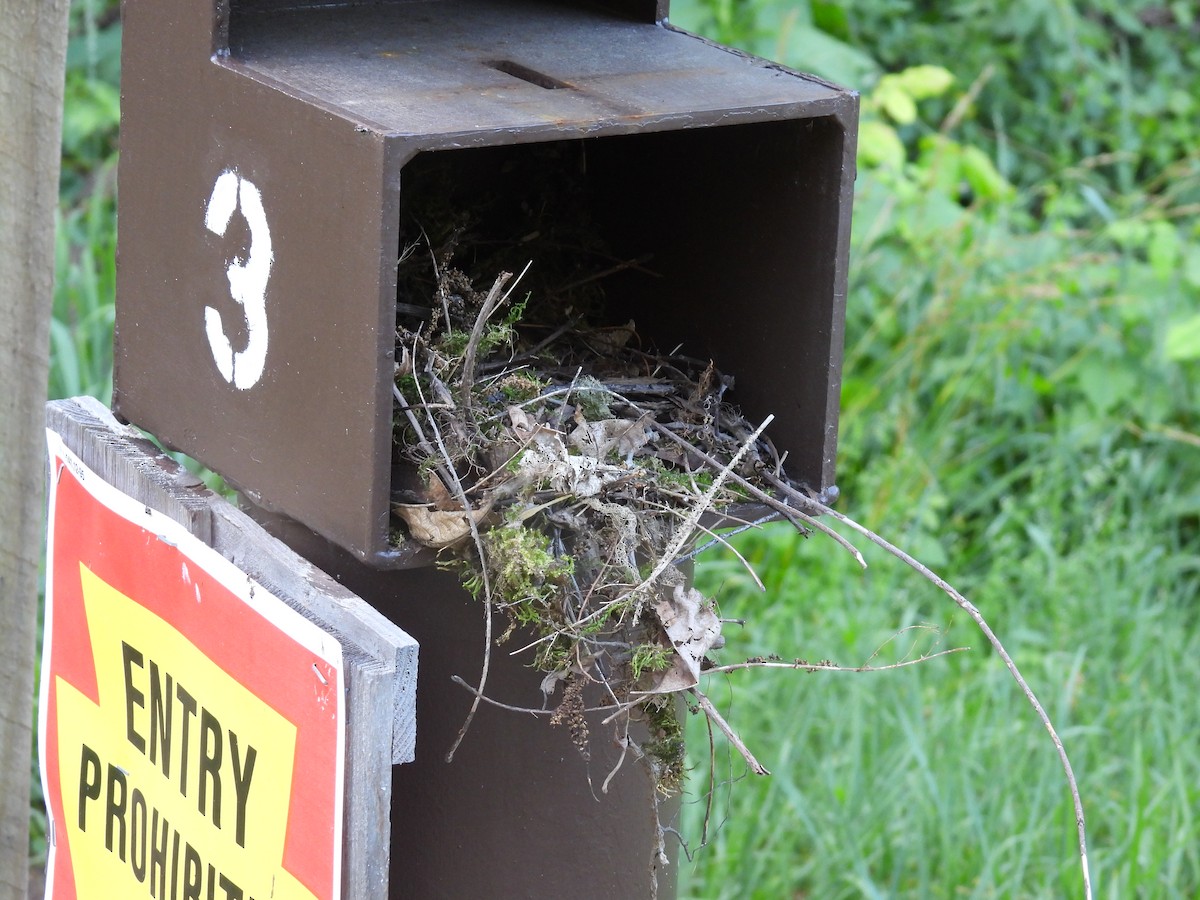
438	528
598	439
440	496
693	628
613	338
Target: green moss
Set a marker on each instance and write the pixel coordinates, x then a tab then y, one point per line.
521	559
453	344
408	388
514	462
650	658
554	655
520	387
468	573
665	748
517	311
592	399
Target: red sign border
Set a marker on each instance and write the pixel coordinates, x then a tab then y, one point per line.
110	529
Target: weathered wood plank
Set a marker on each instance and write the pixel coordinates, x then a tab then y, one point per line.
33	41
132	463
380	659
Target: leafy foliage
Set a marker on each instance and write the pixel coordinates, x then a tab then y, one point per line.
92	98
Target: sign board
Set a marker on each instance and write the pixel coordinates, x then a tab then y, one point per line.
192	726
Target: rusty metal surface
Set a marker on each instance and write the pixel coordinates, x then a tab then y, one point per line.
735	174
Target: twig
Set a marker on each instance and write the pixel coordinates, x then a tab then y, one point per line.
720	539
623	708
493	300
479	695
684	533
788	512
422	441
456	484
462	682
489	306
893	637
612	270
961	108
437	277
971	610
712	782
545	342
717	719
562	410
723	539
625	743
544	395
825	666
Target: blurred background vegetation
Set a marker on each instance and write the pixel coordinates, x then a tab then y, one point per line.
1019	411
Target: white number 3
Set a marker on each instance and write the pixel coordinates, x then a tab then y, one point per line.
247	281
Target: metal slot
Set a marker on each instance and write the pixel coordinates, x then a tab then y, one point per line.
516	70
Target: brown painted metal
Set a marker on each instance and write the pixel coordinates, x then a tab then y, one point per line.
735	173
518	813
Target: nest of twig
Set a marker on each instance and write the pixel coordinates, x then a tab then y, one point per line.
566	472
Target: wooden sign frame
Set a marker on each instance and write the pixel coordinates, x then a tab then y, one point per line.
379	659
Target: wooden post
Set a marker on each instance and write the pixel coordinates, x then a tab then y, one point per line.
33	41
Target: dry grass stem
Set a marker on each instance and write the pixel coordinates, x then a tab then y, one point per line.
806	666
977	617
717	719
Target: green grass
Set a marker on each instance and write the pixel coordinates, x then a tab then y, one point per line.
937	780
1019	410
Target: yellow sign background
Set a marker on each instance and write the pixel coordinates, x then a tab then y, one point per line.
100	873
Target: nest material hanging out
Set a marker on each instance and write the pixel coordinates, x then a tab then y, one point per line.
566	473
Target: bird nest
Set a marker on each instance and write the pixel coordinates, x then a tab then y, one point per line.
569	474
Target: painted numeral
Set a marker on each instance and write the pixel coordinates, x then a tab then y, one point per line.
247	280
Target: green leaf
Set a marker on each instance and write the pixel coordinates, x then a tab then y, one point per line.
831	18
879	146
940	162
923	82
1163	250
983	176
1128	233
1106	385
893	100
809	49
1191	265
92	109
1183	340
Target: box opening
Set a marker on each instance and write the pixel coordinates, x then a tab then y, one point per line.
722	240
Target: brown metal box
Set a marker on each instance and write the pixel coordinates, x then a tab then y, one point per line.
268	148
